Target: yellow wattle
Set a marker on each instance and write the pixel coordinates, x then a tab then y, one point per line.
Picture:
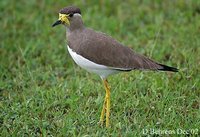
64	18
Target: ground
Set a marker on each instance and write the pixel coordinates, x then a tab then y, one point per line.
43	92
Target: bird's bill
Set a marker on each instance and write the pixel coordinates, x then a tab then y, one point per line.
57	23
63	19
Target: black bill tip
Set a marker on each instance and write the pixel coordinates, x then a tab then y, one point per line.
57	23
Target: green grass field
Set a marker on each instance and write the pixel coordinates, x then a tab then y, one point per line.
44	93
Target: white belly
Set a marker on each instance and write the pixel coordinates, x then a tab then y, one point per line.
101	70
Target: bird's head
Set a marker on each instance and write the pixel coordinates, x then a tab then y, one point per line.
66	15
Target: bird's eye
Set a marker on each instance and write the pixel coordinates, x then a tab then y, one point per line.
70	15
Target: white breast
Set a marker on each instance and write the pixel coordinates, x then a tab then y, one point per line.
101	70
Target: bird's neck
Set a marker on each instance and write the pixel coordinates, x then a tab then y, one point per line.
76	23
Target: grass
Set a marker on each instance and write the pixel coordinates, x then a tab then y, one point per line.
43	93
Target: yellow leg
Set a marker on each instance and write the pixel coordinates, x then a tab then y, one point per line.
103	112
107	88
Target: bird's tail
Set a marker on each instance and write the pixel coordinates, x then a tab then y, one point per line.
167	68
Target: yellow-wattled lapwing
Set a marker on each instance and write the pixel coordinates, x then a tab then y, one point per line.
101	54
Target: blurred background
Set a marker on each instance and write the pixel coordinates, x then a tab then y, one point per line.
42	91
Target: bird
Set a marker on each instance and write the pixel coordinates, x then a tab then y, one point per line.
101	54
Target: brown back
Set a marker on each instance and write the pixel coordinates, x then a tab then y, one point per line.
102	49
